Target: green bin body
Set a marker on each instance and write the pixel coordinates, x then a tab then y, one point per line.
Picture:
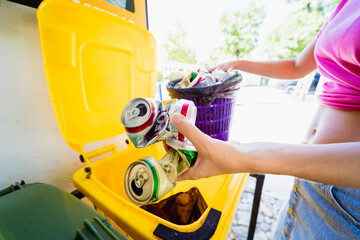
43	212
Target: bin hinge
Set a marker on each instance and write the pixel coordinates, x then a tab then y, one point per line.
12	188
88	171
98	229
85	157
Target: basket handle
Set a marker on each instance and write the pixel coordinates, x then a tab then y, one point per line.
206	231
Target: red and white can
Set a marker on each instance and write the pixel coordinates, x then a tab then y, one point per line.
187	109
147	120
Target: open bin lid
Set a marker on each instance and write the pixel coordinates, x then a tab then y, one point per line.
95	62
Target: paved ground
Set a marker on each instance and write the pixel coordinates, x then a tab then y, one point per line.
266	114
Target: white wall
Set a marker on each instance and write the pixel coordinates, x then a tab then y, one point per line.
31	145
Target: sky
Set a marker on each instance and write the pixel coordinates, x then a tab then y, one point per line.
201	18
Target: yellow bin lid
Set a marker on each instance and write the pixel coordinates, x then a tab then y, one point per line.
95	63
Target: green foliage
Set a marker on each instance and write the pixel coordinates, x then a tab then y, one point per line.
216	56
325	5
175	75
292	36
241	30
176	48
299	29
160	76
319	5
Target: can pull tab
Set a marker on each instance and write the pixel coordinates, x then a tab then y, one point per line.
141	177
132	114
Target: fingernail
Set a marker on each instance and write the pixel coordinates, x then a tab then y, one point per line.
177	118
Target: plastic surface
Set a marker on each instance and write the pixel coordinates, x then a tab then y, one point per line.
96	229
95	64
137	16
206	94
43	212
214	119
205	232
105	188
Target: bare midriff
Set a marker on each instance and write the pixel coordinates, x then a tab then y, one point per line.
332	125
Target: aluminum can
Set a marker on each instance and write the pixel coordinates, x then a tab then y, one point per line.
184	107
219	74
147	120
138	114
186	81
206	80
148	180
201	78
187	154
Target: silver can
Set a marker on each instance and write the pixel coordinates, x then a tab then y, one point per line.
147	120
146	181
138	114
187	154
184	107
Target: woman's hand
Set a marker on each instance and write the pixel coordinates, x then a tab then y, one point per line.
211	158
227	66
341	160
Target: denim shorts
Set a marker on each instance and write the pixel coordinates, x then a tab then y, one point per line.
319	211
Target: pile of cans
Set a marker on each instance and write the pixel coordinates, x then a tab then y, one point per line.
202	77
147	121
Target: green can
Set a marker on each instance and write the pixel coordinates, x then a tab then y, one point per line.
146	181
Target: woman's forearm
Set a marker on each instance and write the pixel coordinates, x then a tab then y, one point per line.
336	164
283	69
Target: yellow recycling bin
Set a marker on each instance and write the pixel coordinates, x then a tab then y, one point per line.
97	58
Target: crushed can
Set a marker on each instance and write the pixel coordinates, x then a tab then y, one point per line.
203	78
148	180
147	121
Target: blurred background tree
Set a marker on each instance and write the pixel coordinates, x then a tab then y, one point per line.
292	36
175	75
160	76
325	5
216	56
176	48
299	29
241	30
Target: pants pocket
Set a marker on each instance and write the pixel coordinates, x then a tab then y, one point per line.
347	201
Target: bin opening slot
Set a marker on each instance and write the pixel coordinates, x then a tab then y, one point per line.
205	232
182	208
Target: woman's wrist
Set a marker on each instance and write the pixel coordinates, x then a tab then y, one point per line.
235	65
240	157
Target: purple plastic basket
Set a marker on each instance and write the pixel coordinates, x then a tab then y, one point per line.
214	119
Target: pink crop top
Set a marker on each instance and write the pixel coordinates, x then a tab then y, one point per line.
337	53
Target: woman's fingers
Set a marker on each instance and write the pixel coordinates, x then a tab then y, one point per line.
184	176
202	142
212	69
192	173
226	67
190	131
